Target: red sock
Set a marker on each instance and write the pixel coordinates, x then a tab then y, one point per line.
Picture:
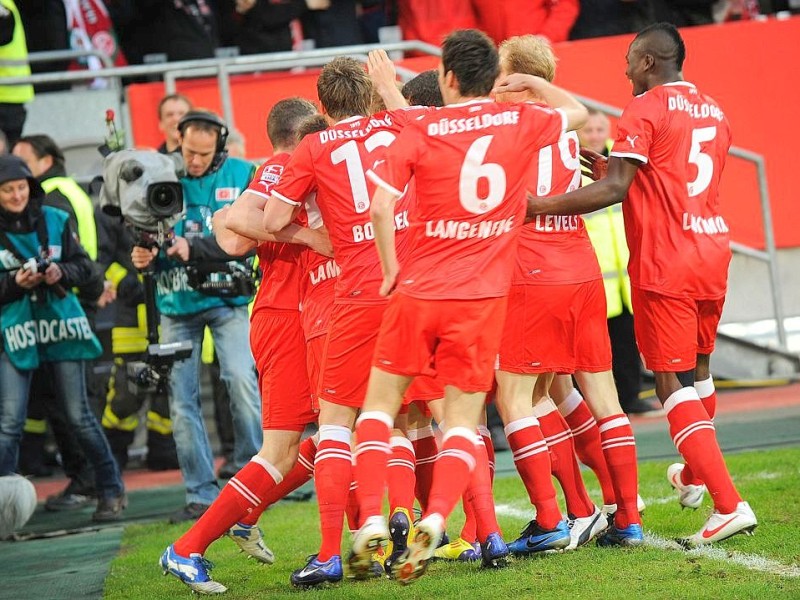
696	440
301	473
469	531
586	438
373	430
708	396
619	448
400	474
487	441
563	463
332	477
425	450
351	511
533	463
451	475
479	494
241	494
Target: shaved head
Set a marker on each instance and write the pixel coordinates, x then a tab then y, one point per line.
663	42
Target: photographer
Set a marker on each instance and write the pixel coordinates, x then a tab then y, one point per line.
42	322
194	260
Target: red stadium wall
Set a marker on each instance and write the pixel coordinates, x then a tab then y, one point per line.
748	67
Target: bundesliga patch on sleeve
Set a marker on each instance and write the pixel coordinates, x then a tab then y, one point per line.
271	174
226	194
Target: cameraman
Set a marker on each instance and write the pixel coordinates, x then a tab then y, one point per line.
41	320
213	182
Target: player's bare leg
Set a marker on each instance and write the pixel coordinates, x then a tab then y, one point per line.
373	431
451	476
694	436
548	531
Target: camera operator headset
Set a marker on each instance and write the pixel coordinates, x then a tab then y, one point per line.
41	321
187	273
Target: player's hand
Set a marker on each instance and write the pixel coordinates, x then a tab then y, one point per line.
593	165
142	257
321	242
179	249
389	282
52	274
28	280
381	70
519	82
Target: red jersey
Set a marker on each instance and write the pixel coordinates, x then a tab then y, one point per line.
280	284
317	289
556	249
471	165
678	240
333	163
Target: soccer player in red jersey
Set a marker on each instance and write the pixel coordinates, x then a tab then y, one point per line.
556	323
333	164
277	342
666	163
470	160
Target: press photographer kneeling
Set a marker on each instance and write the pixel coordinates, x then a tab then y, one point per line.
199	285
42	323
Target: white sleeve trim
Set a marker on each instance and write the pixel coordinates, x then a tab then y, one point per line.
563	120
382	184
257	193
283	198
639	157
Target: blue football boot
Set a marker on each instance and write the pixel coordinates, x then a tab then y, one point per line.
494	552
535	539
630	536
193	570
317	573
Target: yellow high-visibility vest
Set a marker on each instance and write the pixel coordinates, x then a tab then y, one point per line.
14	62
606	229
82	207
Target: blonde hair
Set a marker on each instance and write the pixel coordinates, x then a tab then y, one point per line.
529	54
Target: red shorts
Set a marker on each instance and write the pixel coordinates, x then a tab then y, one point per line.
279	349
314	350
347	358
455	340
671	332
556	329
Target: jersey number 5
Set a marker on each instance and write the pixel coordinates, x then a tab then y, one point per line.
703	161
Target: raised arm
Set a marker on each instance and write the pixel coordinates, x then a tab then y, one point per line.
384	78
552	95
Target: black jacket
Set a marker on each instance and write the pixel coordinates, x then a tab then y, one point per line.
264	28
77	268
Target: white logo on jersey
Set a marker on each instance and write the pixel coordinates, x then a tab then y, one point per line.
631	140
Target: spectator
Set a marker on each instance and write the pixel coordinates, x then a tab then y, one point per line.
33	299
549	18
256	26
599	18
171	110
3	143
331	23
45	24
236	145
14	49
212	181
179	29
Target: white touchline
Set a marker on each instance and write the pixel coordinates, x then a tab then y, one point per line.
754	562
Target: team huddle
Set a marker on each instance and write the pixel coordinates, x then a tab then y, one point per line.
422	250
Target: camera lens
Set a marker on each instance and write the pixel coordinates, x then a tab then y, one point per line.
165	199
